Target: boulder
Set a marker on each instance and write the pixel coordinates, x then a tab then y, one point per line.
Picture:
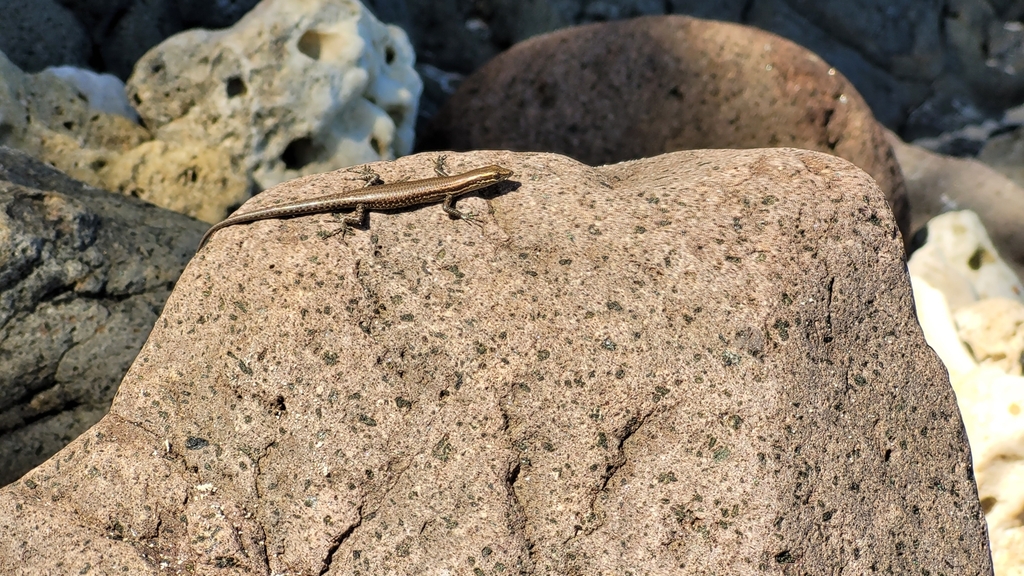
292	88
973	317
83	277
937	183
615	91
705	361
62	123
26	34
959	258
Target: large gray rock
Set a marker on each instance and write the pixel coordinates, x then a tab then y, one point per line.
123	30
703	362
890	95
923	66
27	35
83	276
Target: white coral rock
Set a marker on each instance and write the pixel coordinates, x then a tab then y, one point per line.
964	293
103	92
295	87
960	260
994	330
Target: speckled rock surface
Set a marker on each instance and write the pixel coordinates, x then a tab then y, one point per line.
700	362
292	88
620	90
83	276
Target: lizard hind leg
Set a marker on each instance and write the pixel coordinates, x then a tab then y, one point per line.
368	175
441	166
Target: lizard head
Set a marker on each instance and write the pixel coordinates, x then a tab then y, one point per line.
488	175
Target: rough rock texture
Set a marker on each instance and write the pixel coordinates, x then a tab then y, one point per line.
609	92
940	331
293	88
937	183
54	121
994	330
700	362
924	66
992	403
958	273
36	109
103	92
83	275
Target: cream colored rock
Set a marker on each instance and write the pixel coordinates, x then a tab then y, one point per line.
35	108
991	404
994	330
47	117
939	328
937	184
960	260
203	179
295	87
989	316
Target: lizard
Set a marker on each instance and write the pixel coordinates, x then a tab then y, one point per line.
444	188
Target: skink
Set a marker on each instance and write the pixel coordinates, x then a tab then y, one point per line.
381	197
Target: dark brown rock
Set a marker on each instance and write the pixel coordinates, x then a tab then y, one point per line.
608	92
702	362
83	276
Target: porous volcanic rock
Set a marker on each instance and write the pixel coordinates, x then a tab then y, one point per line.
705	361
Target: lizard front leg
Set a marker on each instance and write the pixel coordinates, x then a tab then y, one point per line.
353	218
449	208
